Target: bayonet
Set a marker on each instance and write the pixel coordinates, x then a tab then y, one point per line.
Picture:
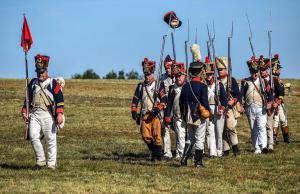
229	73
186	48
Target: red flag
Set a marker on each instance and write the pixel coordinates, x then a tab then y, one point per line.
26	39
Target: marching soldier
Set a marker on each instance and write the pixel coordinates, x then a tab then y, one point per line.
264	67
215	125
230	138
194	109
279	117
46	113
149	110
172	112
256	105
167	81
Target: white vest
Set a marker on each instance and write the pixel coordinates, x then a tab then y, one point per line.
39	99
176	107
167	82
211	93
252	95
148	100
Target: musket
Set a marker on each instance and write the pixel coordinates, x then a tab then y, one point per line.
217	92
186	48
173	45
159	75
270	56
270	60
261	82
196	36
208	43
229	73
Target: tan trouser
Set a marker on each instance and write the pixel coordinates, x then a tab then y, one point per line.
280	118
269	126
230	134
151	129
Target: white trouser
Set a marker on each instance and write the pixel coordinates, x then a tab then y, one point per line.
269	126
167	142
215	134
179	126
257	118
41	120
280	118
196	135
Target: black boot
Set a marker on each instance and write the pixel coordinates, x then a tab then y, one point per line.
235	150
226	153
186	154
286	138
275	139
199	158
275	135
156	153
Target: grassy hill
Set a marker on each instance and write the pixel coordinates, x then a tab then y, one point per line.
101	150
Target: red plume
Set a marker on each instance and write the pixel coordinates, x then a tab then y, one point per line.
207	59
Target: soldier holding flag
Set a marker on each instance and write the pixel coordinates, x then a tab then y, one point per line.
43	107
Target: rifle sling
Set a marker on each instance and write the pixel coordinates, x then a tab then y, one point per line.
262	98
152	101
193	93
48	99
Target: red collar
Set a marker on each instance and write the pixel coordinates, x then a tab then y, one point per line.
196	79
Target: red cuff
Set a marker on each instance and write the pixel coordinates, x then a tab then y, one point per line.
168	119
222	108
160	106
234	100
133	108
23	109
59	110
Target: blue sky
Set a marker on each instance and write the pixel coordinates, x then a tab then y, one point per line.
118	34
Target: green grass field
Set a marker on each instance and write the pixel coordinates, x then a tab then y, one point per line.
101	150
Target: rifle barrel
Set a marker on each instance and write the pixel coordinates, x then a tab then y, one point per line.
173	45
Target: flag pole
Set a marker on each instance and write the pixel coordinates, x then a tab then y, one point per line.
26	130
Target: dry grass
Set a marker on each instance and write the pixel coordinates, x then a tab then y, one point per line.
100	150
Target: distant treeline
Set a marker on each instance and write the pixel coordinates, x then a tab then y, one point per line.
90	74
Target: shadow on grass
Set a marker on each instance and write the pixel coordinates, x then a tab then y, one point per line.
129	158
15	167
117	156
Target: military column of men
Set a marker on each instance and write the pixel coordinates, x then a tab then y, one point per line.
194	109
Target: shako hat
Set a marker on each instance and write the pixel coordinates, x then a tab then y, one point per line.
168	62
178	69
41	63
222	62
148	66
197	69
275	63
264	63
209	65
253	65
172	20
